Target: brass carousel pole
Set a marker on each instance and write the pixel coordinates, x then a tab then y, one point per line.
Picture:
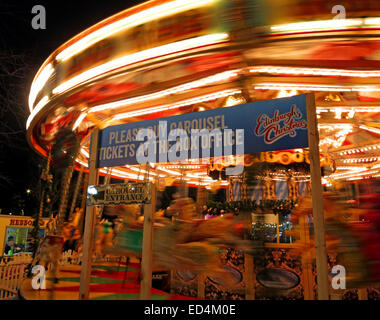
317	198
90	217
61	217
80	175
147	244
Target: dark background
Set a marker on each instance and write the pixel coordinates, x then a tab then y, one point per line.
22	52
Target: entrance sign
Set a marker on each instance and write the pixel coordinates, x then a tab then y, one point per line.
119	193
278	124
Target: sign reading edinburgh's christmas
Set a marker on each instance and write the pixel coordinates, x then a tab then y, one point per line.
278	124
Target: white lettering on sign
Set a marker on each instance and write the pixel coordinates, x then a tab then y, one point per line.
198	136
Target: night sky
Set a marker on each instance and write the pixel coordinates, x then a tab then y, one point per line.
22	51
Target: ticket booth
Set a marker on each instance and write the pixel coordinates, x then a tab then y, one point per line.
19	229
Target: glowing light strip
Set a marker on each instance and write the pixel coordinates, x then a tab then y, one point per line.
37	109
371	129
376	166
318	25
349	109
191	85
316	71
82	163
175	105
290	86
141	56
358	178
38	84
157	12
313	87
79	120
364	160
85	153
372	21
140	170
205	178
351	175
358	150
169	171
123	174
343	126
321	25
182	167
351	168
365	89
120	174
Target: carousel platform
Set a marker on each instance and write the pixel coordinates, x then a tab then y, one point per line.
109	281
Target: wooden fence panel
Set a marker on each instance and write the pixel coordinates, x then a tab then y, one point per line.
12	273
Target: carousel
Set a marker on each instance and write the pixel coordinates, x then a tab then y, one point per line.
167	58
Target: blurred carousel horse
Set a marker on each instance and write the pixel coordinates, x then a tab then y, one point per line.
345	239
49	253
185	243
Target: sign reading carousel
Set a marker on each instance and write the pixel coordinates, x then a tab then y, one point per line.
119	193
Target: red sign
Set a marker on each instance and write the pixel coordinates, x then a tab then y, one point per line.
23	222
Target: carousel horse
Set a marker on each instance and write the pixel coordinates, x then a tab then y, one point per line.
49	253
103	236
183	242
71	232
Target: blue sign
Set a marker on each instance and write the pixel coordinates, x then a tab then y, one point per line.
277	124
